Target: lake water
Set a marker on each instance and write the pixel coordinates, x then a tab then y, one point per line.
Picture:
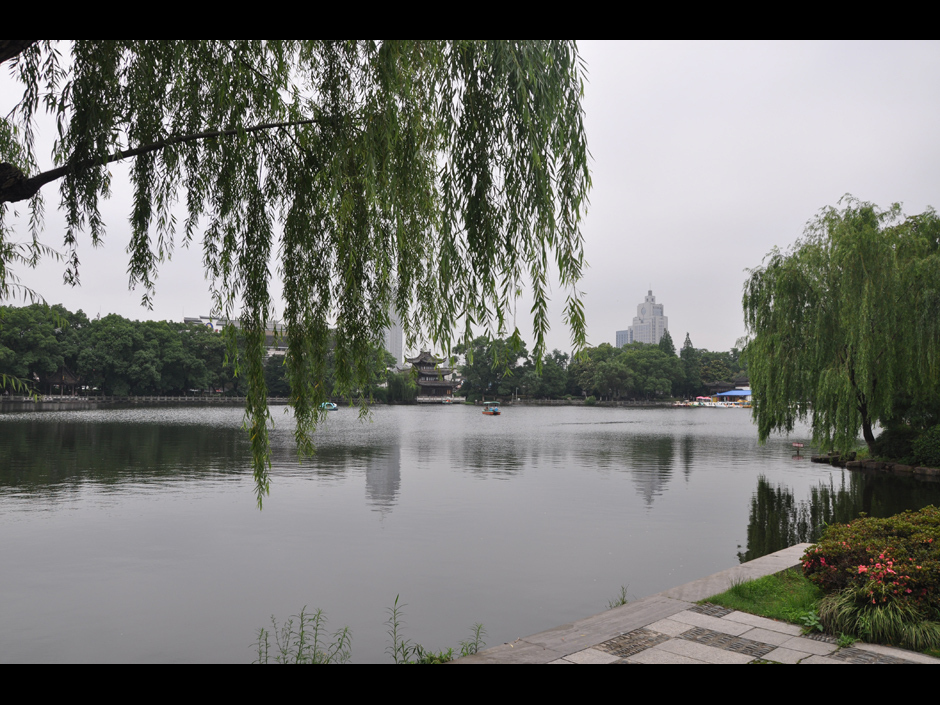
133	535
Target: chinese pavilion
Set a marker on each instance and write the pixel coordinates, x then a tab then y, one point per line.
430	378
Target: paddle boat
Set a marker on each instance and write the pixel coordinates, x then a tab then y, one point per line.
491	409
328	406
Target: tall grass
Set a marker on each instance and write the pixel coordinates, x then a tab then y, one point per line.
896	622
619	600
405	651
303	639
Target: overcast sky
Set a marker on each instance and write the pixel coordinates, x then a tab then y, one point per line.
705	155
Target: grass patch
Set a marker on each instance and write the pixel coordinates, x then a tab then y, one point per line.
787	596
619	600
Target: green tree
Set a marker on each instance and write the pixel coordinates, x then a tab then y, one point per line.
554	374
654	372
550	382
666	344
717	366
36	341
274	376
691	369
427	177
402	387
493	366
846	323
208	347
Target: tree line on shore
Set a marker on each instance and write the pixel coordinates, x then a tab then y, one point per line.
53	350
49	350
503	367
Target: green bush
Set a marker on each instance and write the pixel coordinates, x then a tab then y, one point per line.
858	552
895	443
926	449
591	400
882	578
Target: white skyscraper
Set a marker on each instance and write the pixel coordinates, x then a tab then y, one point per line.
394	337
648	325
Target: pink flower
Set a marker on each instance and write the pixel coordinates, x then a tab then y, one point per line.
862	569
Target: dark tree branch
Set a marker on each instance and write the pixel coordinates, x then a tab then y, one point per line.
15	186
10	48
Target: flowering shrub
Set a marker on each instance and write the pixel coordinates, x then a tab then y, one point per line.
897	558
882	578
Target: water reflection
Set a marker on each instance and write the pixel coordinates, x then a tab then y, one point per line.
40	456
497	457
383	480
650	461
777	519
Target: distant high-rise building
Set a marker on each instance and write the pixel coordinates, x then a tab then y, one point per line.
394	337
648	325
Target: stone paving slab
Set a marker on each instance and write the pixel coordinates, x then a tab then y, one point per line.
585	633
519	651
822	661
763	623
767	636
670	627
701	652
728	642
853	654
717	624
633	642
591	656
899	653
784	655
809	646
662	657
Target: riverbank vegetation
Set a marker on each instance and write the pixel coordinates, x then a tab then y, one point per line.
876	580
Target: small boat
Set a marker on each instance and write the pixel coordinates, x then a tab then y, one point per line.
447	400
491	409
328	406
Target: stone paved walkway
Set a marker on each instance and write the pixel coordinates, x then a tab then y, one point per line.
670	628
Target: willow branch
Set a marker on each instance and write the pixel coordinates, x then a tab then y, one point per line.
15	186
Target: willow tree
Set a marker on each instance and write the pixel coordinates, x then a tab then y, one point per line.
846	323
425	177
